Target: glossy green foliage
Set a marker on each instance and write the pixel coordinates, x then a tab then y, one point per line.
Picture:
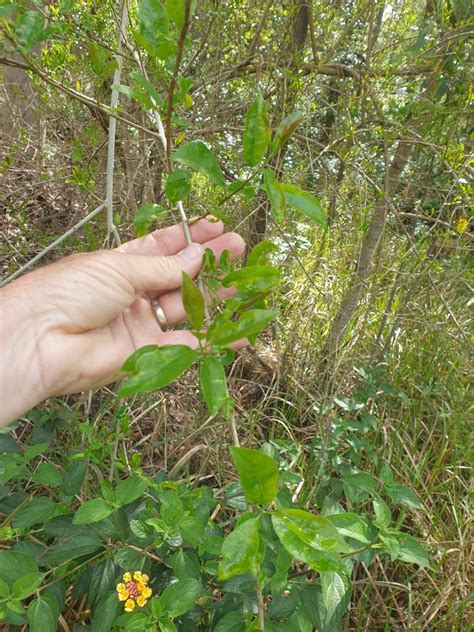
305	203
193	302
257	134
197	156
146	216
178	185
213	383
153	367
258	474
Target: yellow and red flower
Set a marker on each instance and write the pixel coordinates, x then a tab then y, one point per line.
134	590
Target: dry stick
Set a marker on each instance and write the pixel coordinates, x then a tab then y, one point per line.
53	245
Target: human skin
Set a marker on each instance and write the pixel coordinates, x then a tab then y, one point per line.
68	327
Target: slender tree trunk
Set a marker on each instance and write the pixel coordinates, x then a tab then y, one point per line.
368	248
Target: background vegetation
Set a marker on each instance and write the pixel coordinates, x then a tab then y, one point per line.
374	312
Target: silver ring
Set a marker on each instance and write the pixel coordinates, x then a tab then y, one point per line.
159	314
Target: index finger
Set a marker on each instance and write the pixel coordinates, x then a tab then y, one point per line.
171	240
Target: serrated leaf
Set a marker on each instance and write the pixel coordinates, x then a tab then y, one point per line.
196	155
258	475
47	474
321	561
180	597
305	203
316	531
26	584
38	511
154	367
41	616
213	383
240	550
257	134
71	549
351	525
92	511
130	489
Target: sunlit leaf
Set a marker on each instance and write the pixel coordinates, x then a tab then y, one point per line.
258	475
196	155
155	367
240	550
257	134
306	203
213	383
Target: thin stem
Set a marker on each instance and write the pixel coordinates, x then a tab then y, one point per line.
53	245
109	187
172	86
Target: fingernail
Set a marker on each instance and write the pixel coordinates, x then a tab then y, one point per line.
193	252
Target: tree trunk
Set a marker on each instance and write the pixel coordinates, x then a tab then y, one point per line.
368	248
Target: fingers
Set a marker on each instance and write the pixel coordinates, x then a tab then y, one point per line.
148	273
169	241
171	302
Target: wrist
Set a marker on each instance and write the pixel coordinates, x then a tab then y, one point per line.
21	380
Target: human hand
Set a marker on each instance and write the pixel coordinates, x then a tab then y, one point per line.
69	326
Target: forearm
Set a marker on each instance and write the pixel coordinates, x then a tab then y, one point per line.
21	384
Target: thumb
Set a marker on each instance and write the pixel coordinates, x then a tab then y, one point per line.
152	274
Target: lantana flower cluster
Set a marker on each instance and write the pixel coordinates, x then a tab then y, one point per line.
134	590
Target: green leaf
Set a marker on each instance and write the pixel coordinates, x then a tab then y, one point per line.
128	558
180	597
71	549
47	474
9	445
14	565
102	581
249	323
336	591
362	481
351	525
259	255
383	516
4	588
275	194
199	157
213	383
240	550
92	511
403	495
258	474
253	279
41	616
402	546
104	615
305	202
147	215
257	134
175	10
26	585
193	302
154	367
74	477
178	185
135	622
316	531
30	29
38	511
154	21
130	489
321	561
285	129
155	98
